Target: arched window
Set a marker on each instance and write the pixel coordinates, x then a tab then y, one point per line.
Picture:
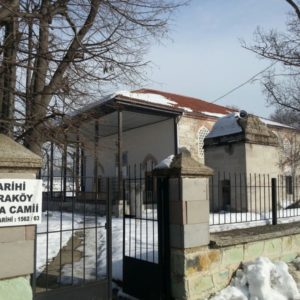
202	133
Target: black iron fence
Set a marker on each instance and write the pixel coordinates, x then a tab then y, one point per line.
73	242
249	198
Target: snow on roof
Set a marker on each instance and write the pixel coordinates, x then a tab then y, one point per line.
214	114
185	103
165	163
273	123
149	97
164	99
225	126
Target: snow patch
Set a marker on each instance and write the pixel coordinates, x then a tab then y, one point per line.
165	163
225	126
187	109
262	280
269	122
214	114
148	97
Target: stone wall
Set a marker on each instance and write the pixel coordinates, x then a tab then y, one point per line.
188	128
200	272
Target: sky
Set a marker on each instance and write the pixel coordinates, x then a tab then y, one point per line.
203	57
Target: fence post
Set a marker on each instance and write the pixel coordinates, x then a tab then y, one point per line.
274	202
188	214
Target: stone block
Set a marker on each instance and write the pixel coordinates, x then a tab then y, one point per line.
221	279
195	235
12	234
296	242
15	289
179	287
233	256
174	189
24	175
289	257
273	248
176	236
177	212
194	189
189	236
287	244
197	212
30	232
177	263
253	250
199	284
203	261
16	258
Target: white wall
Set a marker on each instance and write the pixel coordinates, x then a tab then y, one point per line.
156	139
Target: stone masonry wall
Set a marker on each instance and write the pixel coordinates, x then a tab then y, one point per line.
210	270
188	129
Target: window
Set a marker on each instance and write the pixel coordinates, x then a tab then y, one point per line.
202	133
289	184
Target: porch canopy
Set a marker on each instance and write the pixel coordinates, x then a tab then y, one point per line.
113	115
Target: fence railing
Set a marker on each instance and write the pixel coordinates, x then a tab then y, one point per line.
253	198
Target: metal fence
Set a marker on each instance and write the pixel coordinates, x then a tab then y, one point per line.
73	243
246	198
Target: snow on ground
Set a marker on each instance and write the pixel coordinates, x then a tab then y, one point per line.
141	242
263	280
141	231
52	222
224	221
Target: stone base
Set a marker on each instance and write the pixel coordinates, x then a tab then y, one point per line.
197	273
15	289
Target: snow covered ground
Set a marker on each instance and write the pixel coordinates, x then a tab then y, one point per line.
225	221
93	260
141	242
261	280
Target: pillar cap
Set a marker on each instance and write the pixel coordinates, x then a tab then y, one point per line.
184	164
14	155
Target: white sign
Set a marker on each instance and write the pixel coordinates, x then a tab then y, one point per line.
20	202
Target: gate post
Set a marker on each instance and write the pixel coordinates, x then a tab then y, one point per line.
188	199
16	242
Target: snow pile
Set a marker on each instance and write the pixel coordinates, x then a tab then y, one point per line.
148	97
261	280
226	126
165	163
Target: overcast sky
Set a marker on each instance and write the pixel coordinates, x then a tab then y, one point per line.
204	59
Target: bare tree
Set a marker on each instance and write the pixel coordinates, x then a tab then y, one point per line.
282	82
287	117
58	54
289	153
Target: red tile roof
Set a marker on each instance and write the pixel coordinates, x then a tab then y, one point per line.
197	105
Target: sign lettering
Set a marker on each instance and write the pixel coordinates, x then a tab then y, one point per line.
20	202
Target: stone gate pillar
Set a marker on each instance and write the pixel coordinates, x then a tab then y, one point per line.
189	218
16	242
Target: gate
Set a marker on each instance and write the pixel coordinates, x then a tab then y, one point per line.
73	243
145	240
